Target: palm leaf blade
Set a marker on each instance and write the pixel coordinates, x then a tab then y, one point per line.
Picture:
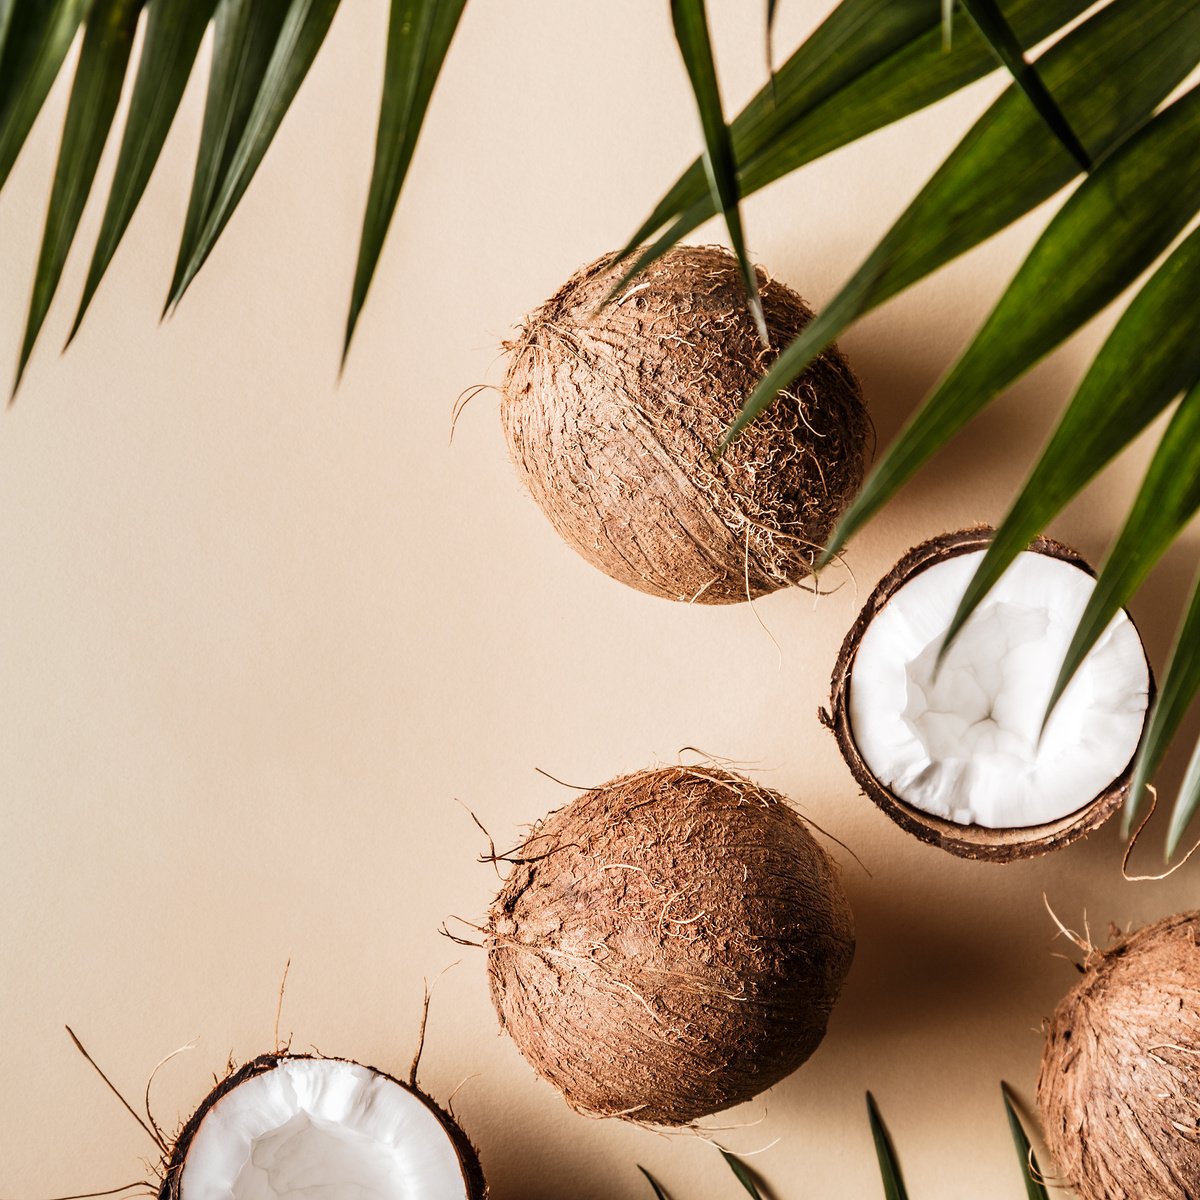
95	92
870	63
419	35
1168	499
999	34
174	31
1180	684
300	38
36	40
1034	1188
1151	355
691	32
742	1174
961	205
889	1168
1186	803
246	32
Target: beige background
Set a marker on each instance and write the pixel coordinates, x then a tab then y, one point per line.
263	637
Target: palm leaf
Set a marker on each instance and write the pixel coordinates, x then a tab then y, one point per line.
741	1173
1186	803
95	92
1034	1188
245	36
691	32
870	63
770	40
999	35
6	15
889	1168
1169	498
1148	46
1151	355
301	35
36	40
419	36
1180	684
174	31
654	1184
1108	232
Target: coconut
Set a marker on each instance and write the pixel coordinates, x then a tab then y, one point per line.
286	1125
668	945
612	416
1119	1088
955	754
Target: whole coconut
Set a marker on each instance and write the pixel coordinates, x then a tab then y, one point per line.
612	415
1119	1089
669	945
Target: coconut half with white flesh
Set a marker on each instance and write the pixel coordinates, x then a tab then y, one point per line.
956	754
294	1127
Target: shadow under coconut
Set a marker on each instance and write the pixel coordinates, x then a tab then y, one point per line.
949	955
989	457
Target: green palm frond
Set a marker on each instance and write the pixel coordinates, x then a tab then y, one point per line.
174	30
871	63
262	52
1092	100
419	34
995	28
889	1167
1180	684
107	44
1035	1189
742	1174
691	32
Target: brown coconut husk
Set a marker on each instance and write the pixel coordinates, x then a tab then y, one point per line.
172	1174
668	945
1119	1086
966	841
612	416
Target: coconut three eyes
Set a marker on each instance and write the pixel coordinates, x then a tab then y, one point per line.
612	414
289	1125
668	945
954	752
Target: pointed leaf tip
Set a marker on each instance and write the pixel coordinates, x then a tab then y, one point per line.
741	1173
690	20
419	37
1034	1188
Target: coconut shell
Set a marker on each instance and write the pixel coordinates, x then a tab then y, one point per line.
171	1188
669	945
612	415
1119	1088
966	841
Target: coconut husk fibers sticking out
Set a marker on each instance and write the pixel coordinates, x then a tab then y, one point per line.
966	841
1119	1088
612	416
173	1180
668	945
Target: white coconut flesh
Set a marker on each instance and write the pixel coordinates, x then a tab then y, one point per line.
962	743
314	1129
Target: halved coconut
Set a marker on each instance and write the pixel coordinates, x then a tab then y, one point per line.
288	1125
955	755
